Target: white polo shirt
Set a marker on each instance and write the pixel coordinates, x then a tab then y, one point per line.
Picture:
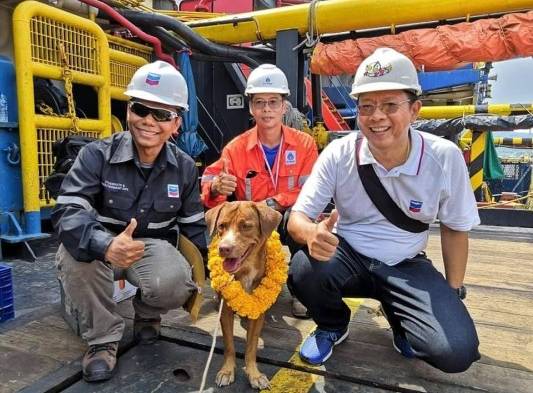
433	183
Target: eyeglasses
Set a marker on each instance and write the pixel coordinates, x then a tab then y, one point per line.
159	114
387	108
273	104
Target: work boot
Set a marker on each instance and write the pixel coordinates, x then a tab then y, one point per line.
99	362
146	330
299	310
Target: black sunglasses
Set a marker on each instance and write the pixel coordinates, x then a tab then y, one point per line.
159	114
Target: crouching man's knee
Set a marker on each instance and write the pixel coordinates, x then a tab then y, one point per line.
171	290
454	357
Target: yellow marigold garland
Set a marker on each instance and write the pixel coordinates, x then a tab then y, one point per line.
250	305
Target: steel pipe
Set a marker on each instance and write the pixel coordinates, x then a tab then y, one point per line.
336	16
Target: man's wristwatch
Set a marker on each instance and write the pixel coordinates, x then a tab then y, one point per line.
461	292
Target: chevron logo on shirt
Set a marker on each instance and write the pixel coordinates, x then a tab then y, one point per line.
173	190
415	206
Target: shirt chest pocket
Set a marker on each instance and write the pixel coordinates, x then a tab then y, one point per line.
117	209
288	178
167	205
118	201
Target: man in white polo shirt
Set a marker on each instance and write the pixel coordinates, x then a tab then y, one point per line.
369	255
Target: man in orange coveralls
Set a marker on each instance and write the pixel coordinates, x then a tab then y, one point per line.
270	162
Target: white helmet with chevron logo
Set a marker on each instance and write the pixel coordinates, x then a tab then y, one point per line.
159	82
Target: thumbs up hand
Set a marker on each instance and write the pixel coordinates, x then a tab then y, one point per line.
128	232
123	251
331	220
322	244
224	183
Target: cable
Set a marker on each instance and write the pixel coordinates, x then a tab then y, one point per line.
130	26
496	204
209	358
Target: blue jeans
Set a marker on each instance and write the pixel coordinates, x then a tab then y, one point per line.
417	300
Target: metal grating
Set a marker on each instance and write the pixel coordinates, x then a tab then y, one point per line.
132	48
80	46
121	73
511	171
45	139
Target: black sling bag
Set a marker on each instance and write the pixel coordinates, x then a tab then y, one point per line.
382	200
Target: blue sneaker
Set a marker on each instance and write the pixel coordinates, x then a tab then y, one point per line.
402	346
318	346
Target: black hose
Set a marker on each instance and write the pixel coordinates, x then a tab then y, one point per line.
171	41
192	38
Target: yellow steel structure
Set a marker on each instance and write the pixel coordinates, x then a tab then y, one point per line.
477	154
104	62
125	58
466	140
335	16
51	43
453	111
180	15
127	46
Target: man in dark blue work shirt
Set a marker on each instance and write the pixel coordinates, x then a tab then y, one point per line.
119	213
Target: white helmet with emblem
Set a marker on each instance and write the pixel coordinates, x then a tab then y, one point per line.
385	69
159	82
267	78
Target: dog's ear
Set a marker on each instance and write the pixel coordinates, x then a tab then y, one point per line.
211	218
269	218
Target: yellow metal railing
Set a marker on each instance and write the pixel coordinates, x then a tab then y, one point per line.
54	44
125	58
122	67
133	48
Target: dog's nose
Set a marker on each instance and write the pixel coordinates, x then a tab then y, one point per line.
224	250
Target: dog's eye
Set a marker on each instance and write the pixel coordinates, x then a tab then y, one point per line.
221	227
246	225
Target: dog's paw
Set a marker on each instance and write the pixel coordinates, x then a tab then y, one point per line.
225	377
259	381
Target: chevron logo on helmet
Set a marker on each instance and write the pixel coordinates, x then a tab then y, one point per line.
152	79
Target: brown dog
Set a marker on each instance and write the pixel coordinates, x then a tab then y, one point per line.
243	228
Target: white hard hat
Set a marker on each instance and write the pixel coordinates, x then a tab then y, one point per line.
267	78
385	69
159	82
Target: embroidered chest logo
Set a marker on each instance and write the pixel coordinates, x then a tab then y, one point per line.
152	79
375	69
290	157
173	190
415	206
114	186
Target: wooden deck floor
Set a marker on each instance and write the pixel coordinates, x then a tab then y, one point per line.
38	352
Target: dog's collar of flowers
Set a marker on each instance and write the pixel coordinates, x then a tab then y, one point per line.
250	305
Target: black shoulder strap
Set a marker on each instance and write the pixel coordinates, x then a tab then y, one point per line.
382	200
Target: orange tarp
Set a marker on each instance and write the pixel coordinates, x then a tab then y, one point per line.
442	48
